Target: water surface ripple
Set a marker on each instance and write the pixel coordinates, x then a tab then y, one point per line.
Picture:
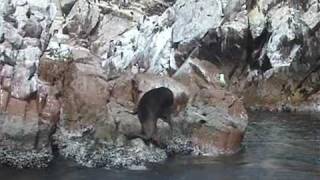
276	146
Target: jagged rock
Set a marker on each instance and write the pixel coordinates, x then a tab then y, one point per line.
66	6
32	29
12	36
285	51
107	33
83	18
285	41
145	48
207	14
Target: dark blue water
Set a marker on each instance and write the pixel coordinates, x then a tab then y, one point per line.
276	146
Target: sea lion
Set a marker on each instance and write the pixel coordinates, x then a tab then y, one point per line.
154	104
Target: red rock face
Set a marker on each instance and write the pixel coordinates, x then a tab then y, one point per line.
23	125
79	92
227	141
223	99
84	96
230	140
17	107
28	117
226	138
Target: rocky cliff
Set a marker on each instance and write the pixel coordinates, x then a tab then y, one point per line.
73	70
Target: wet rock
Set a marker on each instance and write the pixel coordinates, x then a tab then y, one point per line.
27	159
24	140
212	126
94	154
208	143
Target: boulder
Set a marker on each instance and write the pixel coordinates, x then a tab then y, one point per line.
82	19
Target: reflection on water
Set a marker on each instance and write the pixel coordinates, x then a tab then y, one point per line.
277	146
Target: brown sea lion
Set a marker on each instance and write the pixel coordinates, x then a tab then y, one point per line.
154	104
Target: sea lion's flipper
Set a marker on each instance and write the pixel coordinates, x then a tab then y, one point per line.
166	117
149	128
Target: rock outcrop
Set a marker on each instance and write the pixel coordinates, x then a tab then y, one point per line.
72	71
283	57
26	124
